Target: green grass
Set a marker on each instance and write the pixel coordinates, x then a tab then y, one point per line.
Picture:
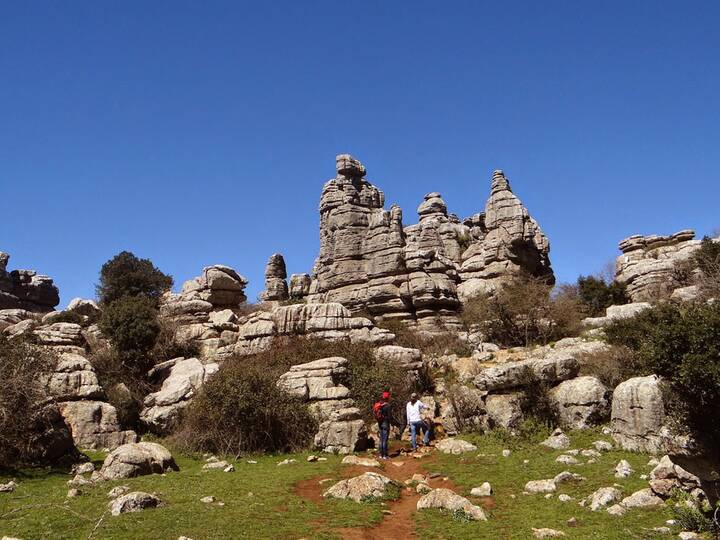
514	518
39	508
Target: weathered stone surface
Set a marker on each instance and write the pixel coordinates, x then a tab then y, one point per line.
449	500
603	497
668	476
367	486
557	440
51	441
647	263
60	334
638	414
541	486
514	374
455	446
74	378
81	306
133	502
276	288
162	408
616	313
342	436
94	425
136	459
485	490
299	286
644	498
581	402
544	532
408	359
26	289
464	410
219	285
360	461
504	410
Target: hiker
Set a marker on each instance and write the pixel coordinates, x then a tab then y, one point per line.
414	410
382	412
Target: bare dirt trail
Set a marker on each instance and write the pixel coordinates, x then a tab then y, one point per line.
398	522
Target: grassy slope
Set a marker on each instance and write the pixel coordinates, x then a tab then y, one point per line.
274	511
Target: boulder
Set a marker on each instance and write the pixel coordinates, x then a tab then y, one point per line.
404	357
299	286
185	377
86	308
455	446
557	440
638	414
342	436
74	378
464	410
668	477
515	374
94	425
504	410
133	502
581	402
449	500
360	461
276	288
136	459
485	490
366	487
603	497
644	498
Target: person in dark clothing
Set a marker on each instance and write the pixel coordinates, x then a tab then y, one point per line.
384	420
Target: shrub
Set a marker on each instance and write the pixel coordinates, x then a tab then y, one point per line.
240	410
23	372
525	312
596	294
126	275
612	366
682	344
536	402
131	325
689	517
707	259
446	342
169	344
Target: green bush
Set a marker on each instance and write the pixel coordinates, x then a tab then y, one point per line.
131	324
525	312
241	410
682	344
23	371
536	402
127	275
596	294
707	257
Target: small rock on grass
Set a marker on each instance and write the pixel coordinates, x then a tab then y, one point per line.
557	441
287	462
360	461
603	497
602	446
133	502
208	500
564	498
540	486
115	492
484	490
449	500
506	453
623	469
616	510
686	535
74	492
9	487
547	533
312	459
566	460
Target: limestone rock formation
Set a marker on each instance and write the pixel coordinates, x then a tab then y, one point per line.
513	374
449	500
581	402
74	378
299	286
647	263
184	379
276	287
341	429
133	502
638	414
219	285
95	425
369	485
26	289
511	243
369	262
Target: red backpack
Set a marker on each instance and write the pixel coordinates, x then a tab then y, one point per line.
377	411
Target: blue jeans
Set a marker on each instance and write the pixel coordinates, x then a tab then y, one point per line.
384	436
414	426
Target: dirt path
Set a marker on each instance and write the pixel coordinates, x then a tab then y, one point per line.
398	522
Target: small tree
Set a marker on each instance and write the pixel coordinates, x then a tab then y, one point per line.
597	295
707	259
127	275
131	325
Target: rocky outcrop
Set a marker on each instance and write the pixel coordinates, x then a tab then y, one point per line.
26	289
638	414
94	425
341	429
185	377
299	286
668	476
616	313
515	374
369	261
405	358
647	263
74	378
138	459
509	243
276	287
366	487
449	500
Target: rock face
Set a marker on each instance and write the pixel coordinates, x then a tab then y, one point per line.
94	425
26	289
276	288
361	488
581	402
369	261
341	429
514	374
138	459
299	286
74	378
638	414
667	477
449	500
162	408
647	263
616	313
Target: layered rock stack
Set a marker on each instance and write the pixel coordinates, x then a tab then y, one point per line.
26	289
647	263
341	429
276	287
369	262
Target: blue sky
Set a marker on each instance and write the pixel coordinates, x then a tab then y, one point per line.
196	133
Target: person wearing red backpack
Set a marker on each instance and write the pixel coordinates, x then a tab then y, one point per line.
381	410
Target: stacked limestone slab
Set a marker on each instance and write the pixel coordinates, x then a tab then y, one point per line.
370	262
26	289
276	287
341	429
647	263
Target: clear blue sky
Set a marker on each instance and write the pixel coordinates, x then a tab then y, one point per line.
196	133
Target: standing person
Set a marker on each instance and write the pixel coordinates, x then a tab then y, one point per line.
382	412
414	410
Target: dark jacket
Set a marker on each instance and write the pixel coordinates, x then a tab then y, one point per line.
387	412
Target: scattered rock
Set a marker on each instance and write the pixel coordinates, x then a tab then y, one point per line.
567	460
117	491
564	498
133	502
288	461
547	533
616	510
455	446
540	486
369	485
360	461
602	446
623	469
136	459
603	497
9	487
645	498
557	440
208	500
74	492
485	490
449	500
